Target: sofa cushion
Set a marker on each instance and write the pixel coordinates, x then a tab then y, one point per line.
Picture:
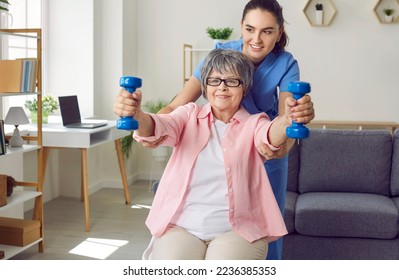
345	161
346	215
293	168
396	201
302	247
395	165
289	213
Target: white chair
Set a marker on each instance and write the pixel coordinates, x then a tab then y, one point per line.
159	155
147	253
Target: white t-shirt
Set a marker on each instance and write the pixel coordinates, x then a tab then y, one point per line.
204	211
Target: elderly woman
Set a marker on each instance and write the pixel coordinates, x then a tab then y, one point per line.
214	200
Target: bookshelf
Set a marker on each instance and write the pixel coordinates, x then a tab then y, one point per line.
381	5
188	51
328	12
26	190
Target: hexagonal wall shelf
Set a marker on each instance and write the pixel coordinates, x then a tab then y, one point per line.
314	17
387	4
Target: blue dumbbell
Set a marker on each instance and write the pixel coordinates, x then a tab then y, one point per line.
130	83
298	130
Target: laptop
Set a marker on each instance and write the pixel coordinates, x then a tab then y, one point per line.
70	113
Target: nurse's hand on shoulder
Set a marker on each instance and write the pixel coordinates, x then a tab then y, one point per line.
268	154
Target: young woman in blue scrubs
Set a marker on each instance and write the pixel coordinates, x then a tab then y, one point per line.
263	41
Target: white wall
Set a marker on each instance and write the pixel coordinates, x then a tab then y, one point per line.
86	56
163	28
70	50
91	44
352	64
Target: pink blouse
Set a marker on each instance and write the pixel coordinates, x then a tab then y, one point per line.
253	210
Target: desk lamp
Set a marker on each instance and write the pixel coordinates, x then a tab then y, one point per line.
16	116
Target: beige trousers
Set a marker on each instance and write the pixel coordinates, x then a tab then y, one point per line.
179	244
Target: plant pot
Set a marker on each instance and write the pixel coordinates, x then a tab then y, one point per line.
5	19
33	117
160	153
218	41
389	18
319	17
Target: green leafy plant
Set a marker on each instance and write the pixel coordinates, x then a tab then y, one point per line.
127	143
153	106
388	11
4	5
219	33
49	104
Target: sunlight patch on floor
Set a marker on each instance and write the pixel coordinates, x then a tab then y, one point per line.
98	248
140	206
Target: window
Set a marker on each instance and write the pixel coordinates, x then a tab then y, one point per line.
24	14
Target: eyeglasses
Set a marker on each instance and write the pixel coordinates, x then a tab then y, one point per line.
228	82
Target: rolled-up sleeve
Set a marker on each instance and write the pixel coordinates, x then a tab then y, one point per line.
170	125
262	132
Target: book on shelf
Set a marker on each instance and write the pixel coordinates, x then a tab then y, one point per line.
2	139
18	75
29	74
33	75
10	75
25	74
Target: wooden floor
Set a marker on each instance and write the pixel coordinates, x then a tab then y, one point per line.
117	231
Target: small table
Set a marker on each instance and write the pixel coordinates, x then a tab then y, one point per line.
56	136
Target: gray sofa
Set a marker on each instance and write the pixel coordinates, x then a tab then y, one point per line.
343	196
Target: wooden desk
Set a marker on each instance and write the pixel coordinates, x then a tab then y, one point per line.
55	136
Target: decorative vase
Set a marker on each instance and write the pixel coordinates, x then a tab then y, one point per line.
33	116
217	42
6	19
388	18
319	17
160	153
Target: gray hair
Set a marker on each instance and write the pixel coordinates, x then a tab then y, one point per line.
222	60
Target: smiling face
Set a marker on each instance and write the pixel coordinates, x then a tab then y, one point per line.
260	32
225	101
226	75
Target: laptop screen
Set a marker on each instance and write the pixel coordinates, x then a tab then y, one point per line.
69	108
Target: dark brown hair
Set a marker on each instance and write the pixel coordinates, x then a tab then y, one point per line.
273	7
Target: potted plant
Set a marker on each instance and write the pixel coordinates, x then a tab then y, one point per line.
49	105
127	143
4	5
219	34
152	106
388	12
319	13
